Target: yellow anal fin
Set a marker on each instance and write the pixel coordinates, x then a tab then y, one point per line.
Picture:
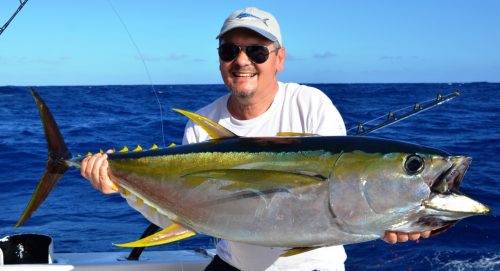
174	232
297	250
213	129
295	134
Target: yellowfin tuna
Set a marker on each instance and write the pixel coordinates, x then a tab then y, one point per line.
297	191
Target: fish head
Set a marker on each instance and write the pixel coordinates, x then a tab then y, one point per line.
403	191
444	204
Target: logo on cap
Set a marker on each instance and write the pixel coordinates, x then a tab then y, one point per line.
246	15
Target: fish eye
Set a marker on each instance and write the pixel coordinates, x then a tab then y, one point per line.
414	164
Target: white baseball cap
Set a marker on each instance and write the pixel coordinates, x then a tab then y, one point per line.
254	19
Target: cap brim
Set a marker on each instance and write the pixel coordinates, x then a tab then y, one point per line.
260	31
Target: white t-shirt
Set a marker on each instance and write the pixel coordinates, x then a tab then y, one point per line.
296	108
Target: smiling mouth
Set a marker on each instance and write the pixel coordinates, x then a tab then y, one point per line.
243	74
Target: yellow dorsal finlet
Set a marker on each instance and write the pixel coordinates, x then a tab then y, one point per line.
213	129
154	147
124	149
172	145
90	154
138	148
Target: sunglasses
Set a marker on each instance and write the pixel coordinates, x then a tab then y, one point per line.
258	54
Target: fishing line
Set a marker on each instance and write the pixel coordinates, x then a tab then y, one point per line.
152	227
145	68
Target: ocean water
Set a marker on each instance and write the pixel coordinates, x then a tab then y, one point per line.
81	219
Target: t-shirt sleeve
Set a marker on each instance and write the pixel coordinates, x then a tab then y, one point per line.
323	118
329	121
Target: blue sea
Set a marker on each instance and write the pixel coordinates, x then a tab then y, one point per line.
81	219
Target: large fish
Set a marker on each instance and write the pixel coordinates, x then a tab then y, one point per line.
296	192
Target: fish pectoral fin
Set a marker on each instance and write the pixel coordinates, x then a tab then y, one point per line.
254	178
295	134
174	232
213	129
297	250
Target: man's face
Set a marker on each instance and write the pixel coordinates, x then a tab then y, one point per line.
244	78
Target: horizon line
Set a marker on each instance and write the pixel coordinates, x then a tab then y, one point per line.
202	84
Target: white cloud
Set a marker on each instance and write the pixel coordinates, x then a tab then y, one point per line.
324	55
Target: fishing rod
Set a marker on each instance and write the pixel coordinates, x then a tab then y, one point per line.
21	5
392	117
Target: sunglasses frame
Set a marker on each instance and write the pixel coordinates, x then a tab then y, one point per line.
250	56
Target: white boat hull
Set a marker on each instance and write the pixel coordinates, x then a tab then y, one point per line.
179	260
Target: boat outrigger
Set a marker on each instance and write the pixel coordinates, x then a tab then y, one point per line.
6	24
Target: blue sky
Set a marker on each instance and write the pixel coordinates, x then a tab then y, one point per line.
56	42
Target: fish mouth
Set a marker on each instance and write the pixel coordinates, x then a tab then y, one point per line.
446	200
450	180
446	205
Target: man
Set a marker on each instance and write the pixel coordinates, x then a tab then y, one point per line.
251	54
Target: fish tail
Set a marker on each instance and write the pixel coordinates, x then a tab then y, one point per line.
56	165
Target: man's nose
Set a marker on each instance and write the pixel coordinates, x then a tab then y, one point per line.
242	59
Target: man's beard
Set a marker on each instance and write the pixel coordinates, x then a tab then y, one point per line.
242	94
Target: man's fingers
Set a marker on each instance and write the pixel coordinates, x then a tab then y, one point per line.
402	237
103	172
414	235
96	169
390	237
84	166
107	185
87	171
425	234
395	237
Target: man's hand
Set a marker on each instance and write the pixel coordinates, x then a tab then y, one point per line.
95	169
393	237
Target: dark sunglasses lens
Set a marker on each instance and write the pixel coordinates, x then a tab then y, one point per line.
257	53
228	51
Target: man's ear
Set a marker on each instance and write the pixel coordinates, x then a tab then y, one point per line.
280	59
